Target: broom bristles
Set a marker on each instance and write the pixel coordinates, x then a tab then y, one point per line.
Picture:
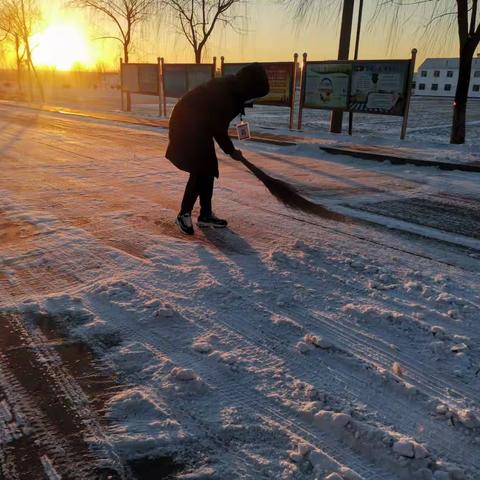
286	194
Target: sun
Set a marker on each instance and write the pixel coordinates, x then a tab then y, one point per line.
60	46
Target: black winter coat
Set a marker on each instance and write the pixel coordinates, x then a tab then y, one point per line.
205	113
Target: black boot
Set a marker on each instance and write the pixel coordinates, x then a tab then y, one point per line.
211	220
184	221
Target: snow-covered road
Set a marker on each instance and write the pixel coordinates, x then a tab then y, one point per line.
286	347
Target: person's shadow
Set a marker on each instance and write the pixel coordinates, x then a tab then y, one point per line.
228	242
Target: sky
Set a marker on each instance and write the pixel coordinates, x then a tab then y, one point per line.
271	34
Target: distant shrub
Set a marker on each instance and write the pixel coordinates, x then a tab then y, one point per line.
7	84
66	85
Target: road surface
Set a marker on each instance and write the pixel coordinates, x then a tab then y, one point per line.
233	354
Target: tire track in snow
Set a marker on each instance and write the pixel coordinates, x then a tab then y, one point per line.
238	390
430	377
58	413
419	374
58	260
353	386
300	316
251	328
395	406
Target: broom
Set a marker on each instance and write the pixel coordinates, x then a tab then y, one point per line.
286	194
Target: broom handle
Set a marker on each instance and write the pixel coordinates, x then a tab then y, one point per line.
245	161
259	173
253	168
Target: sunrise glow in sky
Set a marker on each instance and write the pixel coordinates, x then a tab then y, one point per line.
69	37
61	46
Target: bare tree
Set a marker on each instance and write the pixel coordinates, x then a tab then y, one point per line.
465	14
125	16
18	19
441	16
197	19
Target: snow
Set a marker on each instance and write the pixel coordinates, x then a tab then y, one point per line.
287	347
50	471
441	475
404	448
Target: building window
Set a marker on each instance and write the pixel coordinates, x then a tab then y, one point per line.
447	87
414	85
436	73
476	73
421	86
449	73
435	86
424	73
476	88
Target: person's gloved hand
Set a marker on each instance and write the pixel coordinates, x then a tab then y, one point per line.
237	155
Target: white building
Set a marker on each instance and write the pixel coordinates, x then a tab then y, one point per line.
437	77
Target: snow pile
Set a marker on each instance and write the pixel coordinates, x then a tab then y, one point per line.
404	454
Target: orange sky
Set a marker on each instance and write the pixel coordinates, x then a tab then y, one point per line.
272	35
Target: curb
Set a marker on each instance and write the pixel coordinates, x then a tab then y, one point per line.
377	157
271	141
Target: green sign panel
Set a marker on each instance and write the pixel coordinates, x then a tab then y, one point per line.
180	78
369	86
327	85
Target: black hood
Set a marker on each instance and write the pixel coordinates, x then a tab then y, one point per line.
252	82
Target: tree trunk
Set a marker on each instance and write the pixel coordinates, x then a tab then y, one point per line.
32	67
19	65
198	55
30	82
39	82
128	95
461	94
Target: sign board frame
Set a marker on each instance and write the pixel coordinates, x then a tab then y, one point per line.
183	68
407	65
328	91
163	72
136	81
137	78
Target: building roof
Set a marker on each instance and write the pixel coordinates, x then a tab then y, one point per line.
444	63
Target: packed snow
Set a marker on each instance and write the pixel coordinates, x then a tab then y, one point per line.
288	346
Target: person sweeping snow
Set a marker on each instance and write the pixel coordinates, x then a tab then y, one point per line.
200	117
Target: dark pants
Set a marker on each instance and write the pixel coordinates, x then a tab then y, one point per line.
198	185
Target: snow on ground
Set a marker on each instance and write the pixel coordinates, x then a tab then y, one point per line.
287	346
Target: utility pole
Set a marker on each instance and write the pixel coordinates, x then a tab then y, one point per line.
355	56
343	53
